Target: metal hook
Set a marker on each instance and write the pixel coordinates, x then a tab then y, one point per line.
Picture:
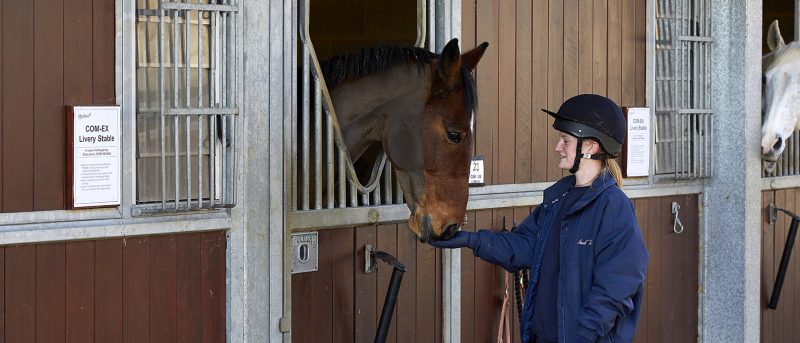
676	222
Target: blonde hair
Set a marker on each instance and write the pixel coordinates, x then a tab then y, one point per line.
612	167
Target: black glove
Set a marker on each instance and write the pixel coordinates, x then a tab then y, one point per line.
459	240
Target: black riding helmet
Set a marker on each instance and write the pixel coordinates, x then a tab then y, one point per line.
592	116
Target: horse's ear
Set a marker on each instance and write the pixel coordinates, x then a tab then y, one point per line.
449	62
471	58
774	39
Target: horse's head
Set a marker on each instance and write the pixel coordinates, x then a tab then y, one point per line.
780	96
431	153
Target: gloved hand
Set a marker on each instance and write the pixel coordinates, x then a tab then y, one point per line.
459	240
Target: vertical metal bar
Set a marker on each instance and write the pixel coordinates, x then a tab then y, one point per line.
342	187
353	194
365	199
162	104
200	105
186	67
306	117
387	182
376	194
212	141
175	100
317	144
329	175
223	175
431	25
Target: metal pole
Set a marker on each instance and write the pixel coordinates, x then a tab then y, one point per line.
787	253
391	295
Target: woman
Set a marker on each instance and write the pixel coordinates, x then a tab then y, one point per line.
583	245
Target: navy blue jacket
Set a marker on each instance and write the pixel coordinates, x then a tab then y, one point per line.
603	261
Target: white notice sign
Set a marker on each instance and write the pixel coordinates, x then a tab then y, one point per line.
638	145
95	156
476	171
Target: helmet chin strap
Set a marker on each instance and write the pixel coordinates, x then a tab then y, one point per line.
579	156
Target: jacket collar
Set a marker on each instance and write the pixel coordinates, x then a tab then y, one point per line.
600	184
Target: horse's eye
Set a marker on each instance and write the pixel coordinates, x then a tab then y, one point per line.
454	137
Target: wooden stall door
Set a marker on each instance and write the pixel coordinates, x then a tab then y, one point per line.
53	53
341	303
540	54
168	288
779	325
669	311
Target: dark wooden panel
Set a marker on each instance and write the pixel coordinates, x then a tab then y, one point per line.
407	298
599	46
366	320
504	159
585	29
540	128
484	295
17	92
426	297
571	15
20	295
303	303
1	118
48	117
486	117
2	284
386	240
321	318
163	289
189	270
212	257
614	71
103	78
555	80
80	291
641	50
108	290
522	99
628	58
136	290
78	57
50	292
345	265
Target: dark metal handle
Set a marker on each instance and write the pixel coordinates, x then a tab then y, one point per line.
394	287
787	253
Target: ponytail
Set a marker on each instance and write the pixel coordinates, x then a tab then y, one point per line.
612	167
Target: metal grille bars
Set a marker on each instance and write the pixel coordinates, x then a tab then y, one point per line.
322	173
683	103
187	103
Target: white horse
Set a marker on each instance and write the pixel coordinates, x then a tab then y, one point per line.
780	92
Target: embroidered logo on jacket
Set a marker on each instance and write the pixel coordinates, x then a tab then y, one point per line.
584	242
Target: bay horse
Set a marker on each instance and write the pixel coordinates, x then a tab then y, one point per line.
780	96
419	107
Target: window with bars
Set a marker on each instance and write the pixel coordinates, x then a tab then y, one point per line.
683	111
186	103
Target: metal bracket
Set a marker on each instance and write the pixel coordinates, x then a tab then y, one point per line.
369	259
773	213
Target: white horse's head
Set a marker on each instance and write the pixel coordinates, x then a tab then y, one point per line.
780	103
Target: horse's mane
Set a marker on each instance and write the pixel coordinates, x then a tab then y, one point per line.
342	68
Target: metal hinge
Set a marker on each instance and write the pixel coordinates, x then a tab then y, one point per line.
284	324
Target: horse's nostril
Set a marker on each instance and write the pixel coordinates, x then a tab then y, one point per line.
778	144
450	230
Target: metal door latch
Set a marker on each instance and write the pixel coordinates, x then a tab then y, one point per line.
677	226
